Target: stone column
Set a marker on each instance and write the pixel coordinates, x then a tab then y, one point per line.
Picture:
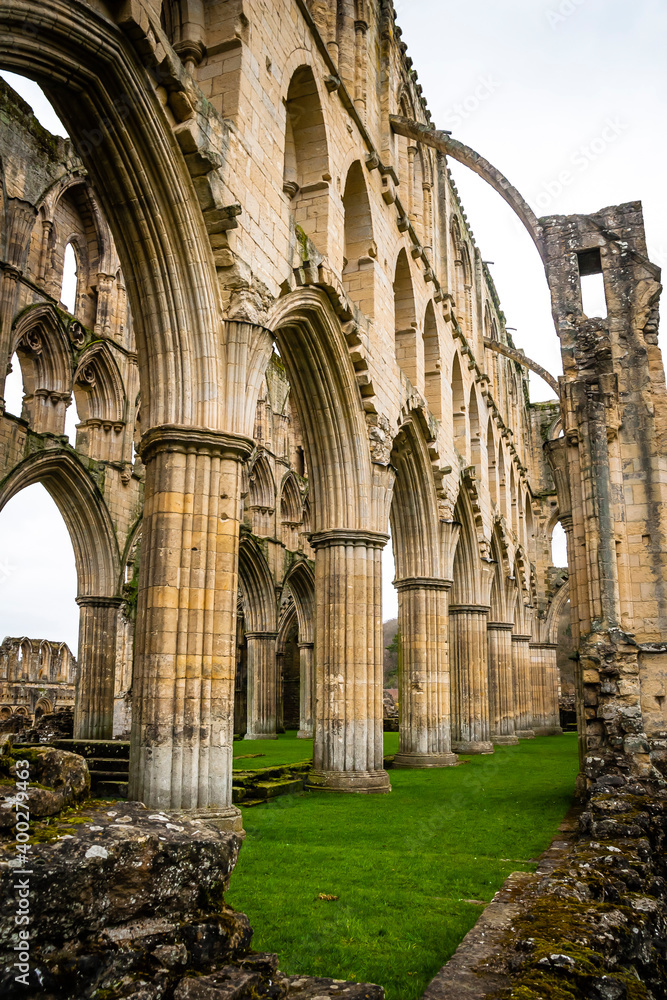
183	692
425	701
501	684
9	285
468	646
348	749
523	715
306	687
262	686
538	689
98	633
551	688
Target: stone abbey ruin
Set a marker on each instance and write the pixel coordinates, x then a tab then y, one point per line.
286	345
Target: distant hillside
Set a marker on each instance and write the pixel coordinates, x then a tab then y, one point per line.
390	660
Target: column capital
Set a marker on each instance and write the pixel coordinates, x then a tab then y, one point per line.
521	638
423	583
500	626
469	609
306	645
544	645
99	602
348	536
261	635
182	439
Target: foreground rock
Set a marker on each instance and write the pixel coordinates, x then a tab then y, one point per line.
58	779
125	902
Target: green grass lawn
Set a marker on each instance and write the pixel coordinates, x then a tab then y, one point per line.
403	866
285	750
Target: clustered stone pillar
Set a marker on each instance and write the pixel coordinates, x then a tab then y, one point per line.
548	652
307	683
538	689
98	630
523	715
424	698
501	684
348	732
262	686
470	679
183	692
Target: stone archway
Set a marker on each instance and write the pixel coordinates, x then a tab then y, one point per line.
349	497
423	597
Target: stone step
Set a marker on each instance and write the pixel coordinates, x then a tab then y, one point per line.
113	789
271	789
102	749
97	777
108	763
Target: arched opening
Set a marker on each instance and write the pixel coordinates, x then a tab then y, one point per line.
359	250
416	202
68	287
475	432
530	526
432	363
459	420
306	175
14	387
409	347
38	579
491	463
502	484
290	513
262	497
558	546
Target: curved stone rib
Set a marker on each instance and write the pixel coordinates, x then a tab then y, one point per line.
514	355
444	143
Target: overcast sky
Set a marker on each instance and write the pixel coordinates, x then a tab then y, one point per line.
566	98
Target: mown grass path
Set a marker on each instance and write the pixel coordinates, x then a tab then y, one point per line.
403	866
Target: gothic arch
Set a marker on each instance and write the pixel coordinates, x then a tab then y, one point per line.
459	417
306	173
328	404
555	612
414	510
291	511
256	583
98	386
92	76
432	362
467	586
359	250
407	342
85	514
300	581
45	356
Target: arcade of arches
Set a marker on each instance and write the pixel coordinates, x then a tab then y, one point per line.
283	341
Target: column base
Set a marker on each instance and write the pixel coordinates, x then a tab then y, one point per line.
404	760
365	782
474	746
304	734
526	734
260	736
228	819
505	741
548	731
